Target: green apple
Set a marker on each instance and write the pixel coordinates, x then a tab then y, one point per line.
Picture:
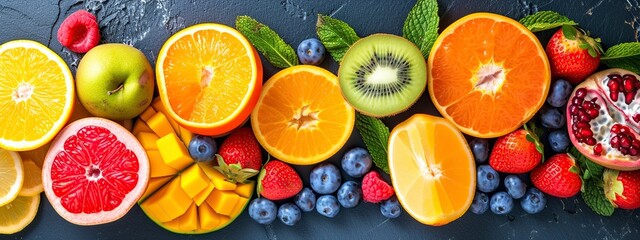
115	81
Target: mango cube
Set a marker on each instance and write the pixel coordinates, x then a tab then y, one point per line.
186	136
168	203
202	196
154	184
239	206
245	189
173	152
140	126
216	177
157	165
194	180
209	219
222	202
157	105
147	114
148	140
160	124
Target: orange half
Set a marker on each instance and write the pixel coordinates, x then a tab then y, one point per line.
209	78
488	74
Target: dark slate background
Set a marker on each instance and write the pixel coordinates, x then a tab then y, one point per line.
146	24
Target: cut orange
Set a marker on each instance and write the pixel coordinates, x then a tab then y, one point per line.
32	184
488	74
209	78
36	95
301	117
11	176
432	169
18	214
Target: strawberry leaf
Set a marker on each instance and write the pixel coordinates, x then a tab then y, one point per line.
532	136
574	169
569	32
234	173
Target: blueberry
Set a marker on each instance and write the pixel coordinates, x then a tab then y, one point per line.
559	140
488	179
559	93
263	210
534	201
501	203
480	149
552	118
391	208
349	194
306	200
515	186
480	203
311	51
356	162
327	205
202	148
289	214
325	178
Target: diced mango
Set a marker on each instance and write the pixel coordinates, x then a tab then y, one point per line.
173	225
209	219
245	189
216	177
224	220
173	152
148	140
160	125
140	126
157	166
152	207
147	114
239	206
199	199
170	202
189	219
222	202
185	135
154	184
194	180
157	105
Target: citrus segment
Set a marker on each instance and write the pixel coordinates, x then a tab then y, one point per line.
32	184
488	74
432	169
36	95
11	176
209	78
301	117
17	214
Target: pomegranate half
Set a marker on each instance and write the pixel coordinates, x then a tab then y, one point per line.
603	119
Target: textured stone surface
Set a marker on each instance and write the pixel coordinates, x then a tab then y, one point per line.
146	24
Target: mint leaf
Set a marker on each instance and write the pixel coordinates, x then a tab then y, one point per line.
421	25
595	198
591	169
336	36
375	136
268	42
545	20
623	55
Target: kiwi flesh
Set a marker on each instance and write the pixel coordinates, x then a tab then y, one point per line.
382	75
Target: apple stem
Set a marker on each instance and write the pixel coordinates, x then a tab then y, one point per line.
115	90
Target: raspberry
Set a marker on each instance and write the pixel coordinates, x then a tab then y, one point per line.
374	189
79	32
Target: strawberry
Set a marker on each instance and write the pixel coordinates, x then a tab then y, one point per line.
517	152
374	189
558	176
573	55
79	32
622	188
278	181
239	156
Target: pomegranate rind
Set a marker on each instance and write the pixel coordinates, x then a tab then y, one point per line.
130	199
612	159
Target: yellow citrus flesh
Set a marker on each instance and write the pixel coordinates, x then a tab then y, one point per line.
11	176
18	214
32	184
432	169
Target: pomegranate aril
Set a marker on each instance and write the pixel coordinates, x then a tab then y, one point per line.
628	97
633	151
597	150
593	113
582	125
614	95
591	141
624	151
616	128
573	108
615	142
625	142
577	101
587	105
636	118
629	85
586	132
581	93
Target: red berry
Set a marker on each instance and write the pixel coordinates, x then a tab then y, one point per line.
622	188
513	153
569	60
79	32
555	177
241	147
374	189
278	181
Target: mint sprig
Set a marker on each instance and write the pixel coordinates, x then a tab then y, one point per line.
421	25
545	20
623	55
267	42
336	36
376	137
592	184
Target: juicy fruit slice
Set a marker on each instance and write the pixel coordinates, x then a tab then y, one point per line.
297	123
18	214
32	184
209	78
432	169
488	74
94	172
12	176
185	196
382	75
36	95
603	119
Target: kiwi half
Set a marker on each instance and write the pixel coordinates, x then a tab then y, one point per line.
382	75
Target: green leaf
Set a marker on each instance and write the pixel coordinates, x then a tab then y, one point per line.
586	175
545	20
268	42
569	32
624	55
595	198
421	25
595	170
336	36
376	137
